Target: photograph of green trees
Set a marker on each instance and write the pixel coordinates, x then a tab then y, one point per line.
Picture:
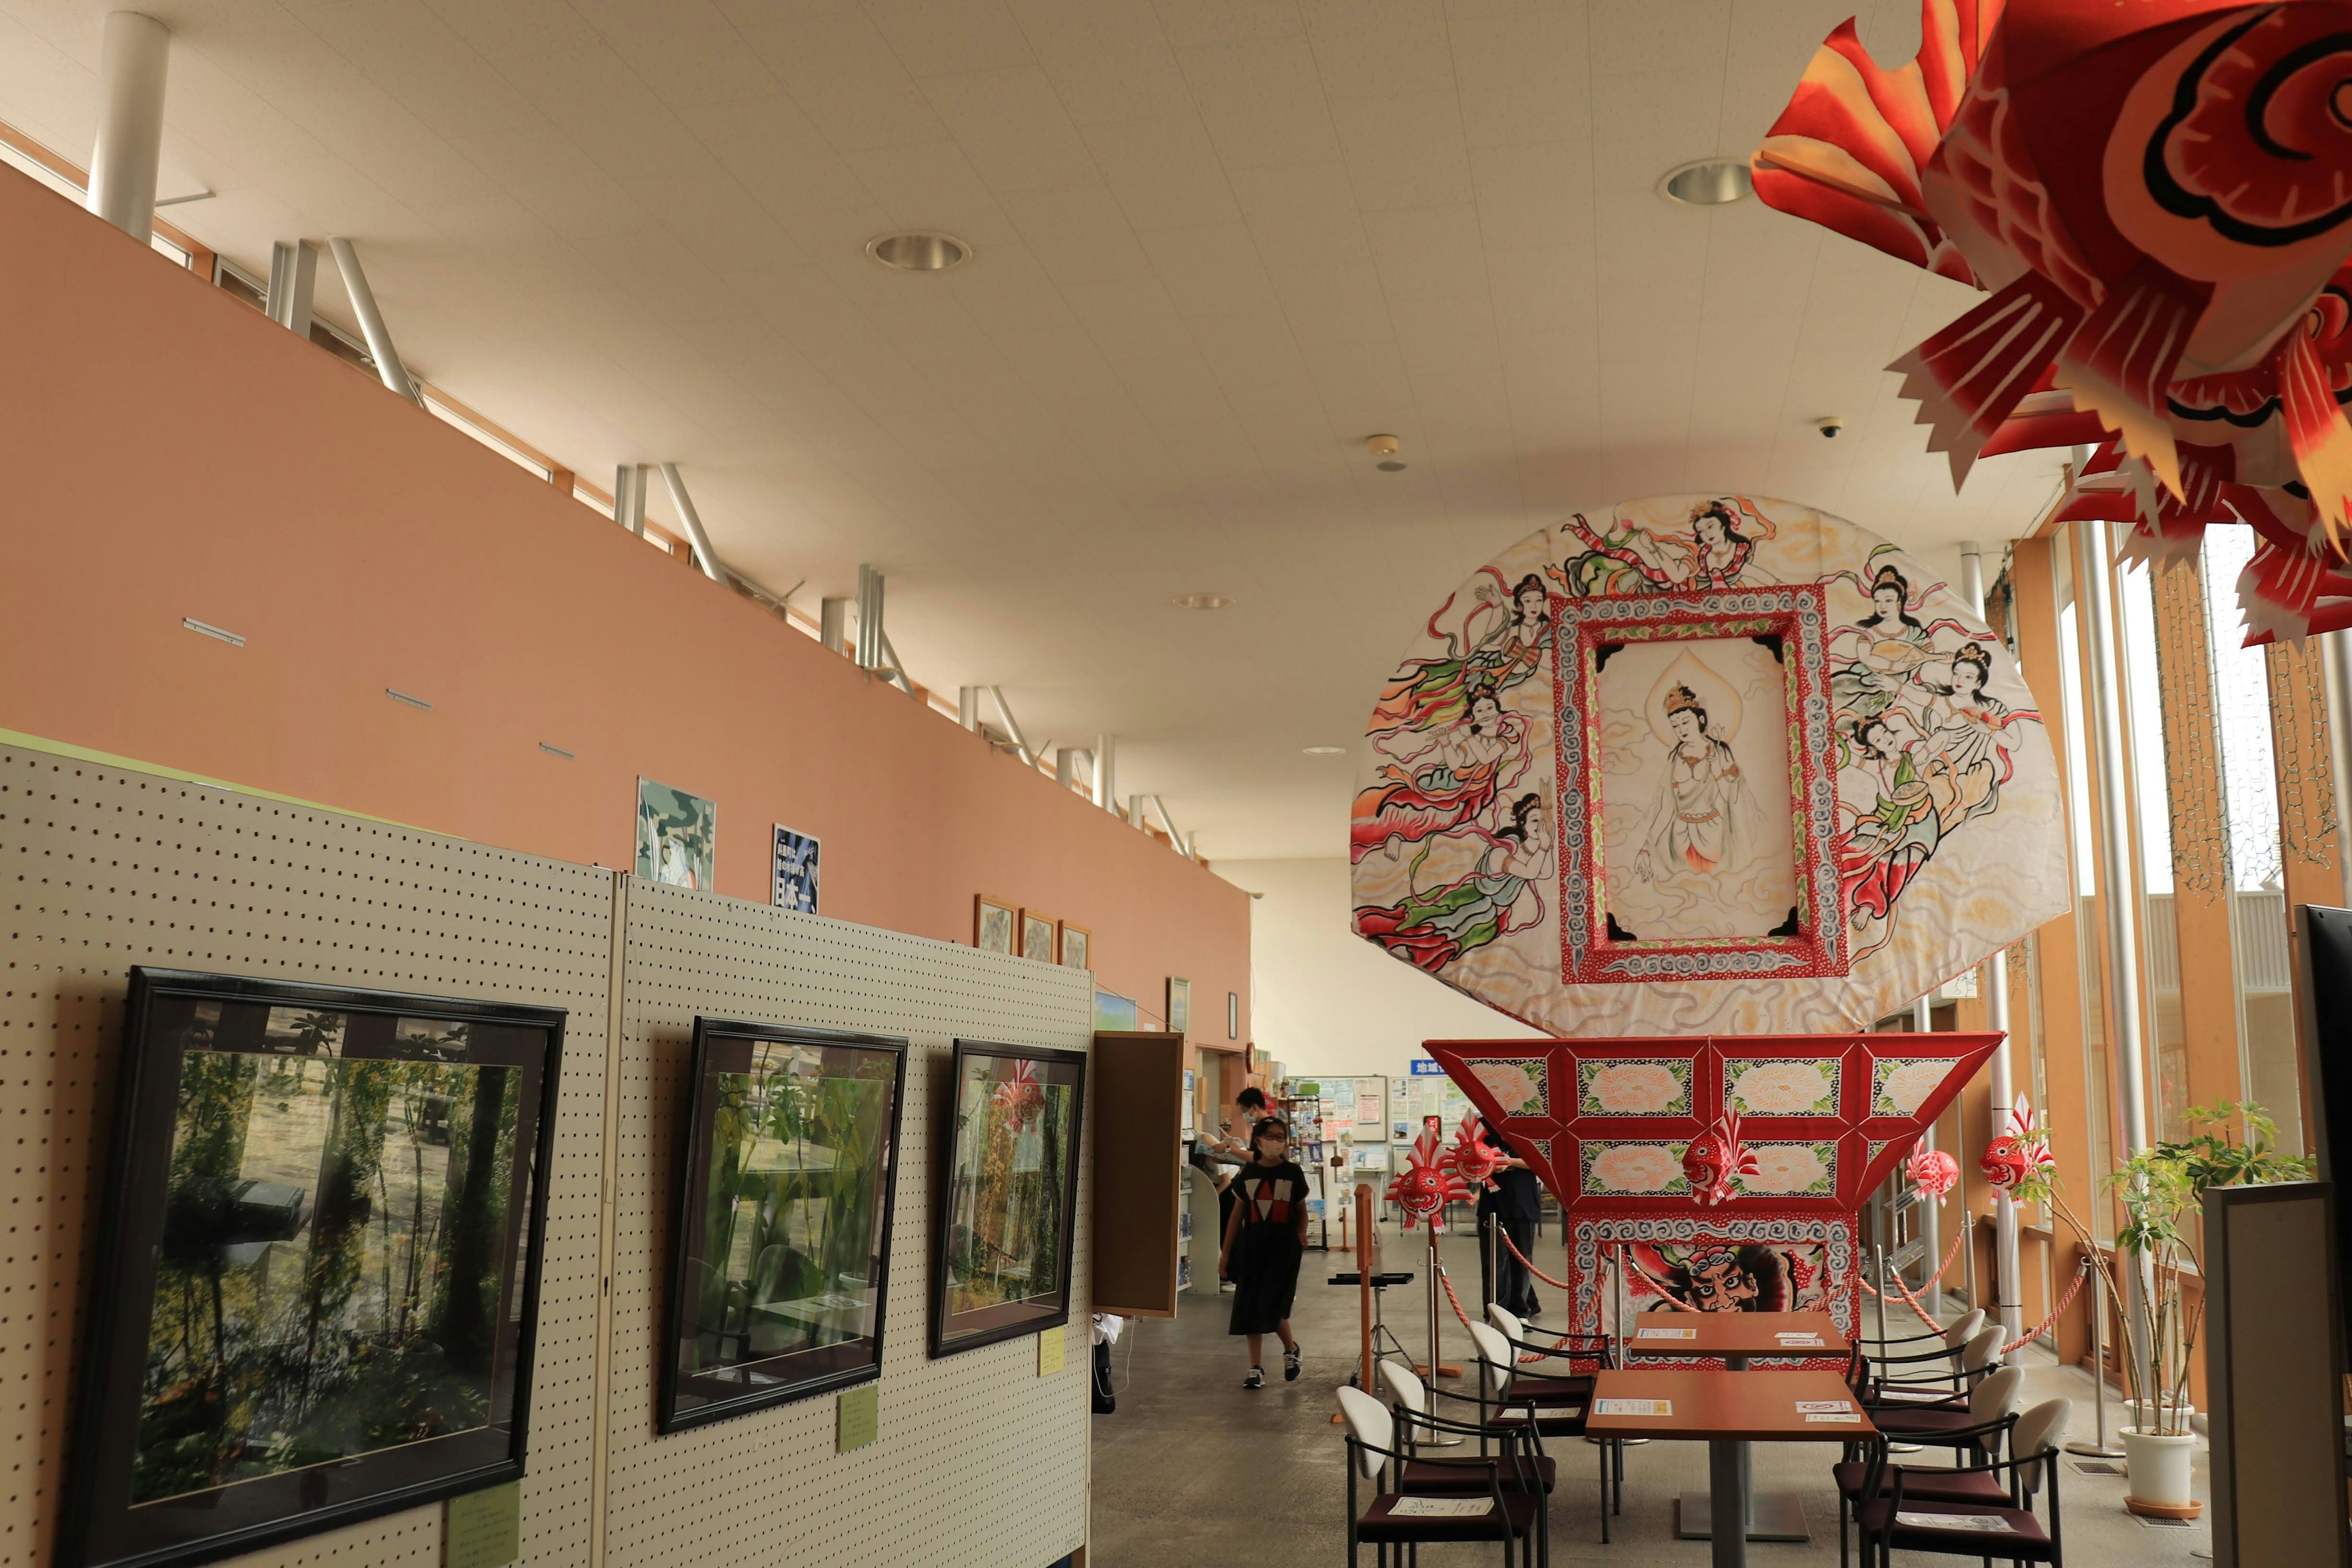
317	1259
781	1243
1008	1206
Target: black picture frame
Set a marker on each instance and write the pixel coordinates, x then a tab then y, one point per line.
101	1528
953	1332
695	1399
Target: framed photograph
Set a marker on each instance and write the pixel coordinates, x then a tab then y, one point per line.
995	925
1180	1005
1077	946
677	836
1008	1195
779	1246
1038	931
317	1278
1233	1014
795	870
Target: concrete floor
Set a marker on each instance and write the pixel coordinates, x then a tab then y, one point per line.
1193	1469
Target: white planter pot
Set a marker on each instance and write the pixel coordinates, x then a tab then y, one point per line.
2160	1469
2143	1414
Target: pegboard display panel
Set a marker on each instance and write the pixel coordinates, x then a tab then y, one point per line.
981	1461
102	867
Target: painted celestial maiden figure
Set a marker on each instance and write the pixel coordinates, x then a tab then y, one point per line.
1697	822
1445	784
1501	895
1719	553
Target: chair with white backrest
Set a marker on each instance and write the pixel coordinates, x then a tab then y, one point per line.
1973	1425
1550	1407
1954	1334
1514	1519
1595	1350
1975	1434
1526	1467
1949	1377
1900	1512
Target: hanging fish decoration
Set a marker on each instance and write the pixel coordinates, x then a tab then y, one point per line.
1427	1183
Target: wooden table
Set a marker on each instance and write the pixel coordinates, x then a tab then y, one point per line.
1729	1411
1736	1336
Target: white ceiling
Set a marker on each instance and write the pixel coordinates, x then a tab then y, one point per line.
1218	242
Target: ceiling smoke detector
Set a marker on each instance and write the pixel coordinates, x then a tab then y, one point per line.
1203	602
1709	182
1385	448
920	251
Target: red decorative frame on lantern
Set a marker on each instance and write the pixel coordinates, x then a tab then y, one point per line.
1853	1102
1796	617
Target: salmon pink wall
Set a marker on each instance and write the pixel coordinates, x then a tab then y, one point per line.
170	453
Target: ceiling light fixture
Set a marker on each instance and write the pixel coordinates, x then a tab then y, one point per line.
1708	183
1385	448
1203	602
1326	751
920	251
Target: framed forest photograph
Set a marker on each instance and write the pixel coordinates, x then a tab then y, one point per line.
779	1246
317	1279
1008	1195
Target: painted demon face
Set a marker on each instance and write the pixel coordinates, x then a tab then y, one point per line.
1718	1284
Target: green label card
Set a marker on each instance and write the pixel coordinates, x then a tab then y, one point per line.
860	1418
484	1529
1049	1352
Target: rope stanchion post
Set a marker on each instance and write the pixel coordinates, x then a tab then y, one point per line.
1363	1289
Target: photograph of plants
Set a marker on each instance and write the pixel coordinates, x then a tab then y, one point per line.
1009	1194
781	1240
317	1257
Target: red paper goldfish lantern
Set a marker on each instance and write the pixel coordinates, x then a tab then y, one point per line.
2159	197
1472	1158
1715	1158
1426	1184
1933	1172
2018	1155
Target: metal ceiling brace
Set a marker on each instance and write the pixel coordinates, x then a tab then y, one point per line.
293	274
703	553
629	497
379	337
1107	773
832	625
132	63
892	670
1011	727
1174	837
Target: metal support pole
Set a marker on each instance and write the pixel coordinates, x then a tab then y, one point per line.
1175	838
2101	1447
1878	1259
891	667
2094	593
1011	727
1107	772
1135	811
2335	662
833	630
703	553
869	617
967	702
1066	773
388	364
132	66
293	275
1931	1217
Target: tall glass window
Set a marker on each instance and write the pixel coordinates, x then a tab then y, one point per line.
2160	931
2089	932
2267	1061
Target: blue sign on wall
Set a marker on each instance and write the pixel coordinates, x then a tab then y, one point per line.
795	884
1426	1066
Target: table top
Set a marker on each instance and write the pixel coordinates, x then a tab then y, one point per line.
1734	1333
1701	1402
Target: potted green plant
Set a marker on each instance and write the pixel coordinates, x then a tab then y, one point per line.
2162	1193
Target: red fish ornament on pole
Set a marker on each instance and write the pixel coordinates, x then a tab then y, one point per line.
1714	1160
1472	1158
2018	1154
1427	1183
1933	1172
2159	198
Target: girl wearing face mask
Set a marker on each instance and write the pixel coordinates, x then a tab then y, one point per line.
1263	1241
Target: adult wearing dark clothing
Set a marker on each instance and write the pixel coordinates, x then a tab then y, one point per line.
1516	1203
1229	1152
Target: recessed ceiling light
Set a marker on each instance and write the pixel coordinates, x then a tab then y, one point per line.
1709	182
920	251
1326	751
1202	602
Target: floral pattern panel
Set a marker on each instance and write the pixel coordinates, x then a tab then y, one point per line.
1784	1087
1645	1088
1517	1084
1639	1169
1791	1170
1899	1085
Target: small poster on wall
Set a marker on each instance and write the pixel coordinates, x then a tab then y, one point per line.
795	870
1037	936
677	836
994	924
1180	1005
1077	947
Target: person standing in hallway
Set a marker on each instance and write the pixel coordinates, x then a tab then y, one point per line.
1515	1203
1263	1242
1228	1150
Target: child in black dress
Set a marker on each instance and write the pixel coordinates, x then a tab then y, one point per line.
1263	1241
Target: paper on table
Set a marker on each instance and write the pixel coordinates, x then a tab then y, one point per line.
1632	1407
1809	1405
1666	1333
1798	1338
1831	1418
1442	1508
1982	1523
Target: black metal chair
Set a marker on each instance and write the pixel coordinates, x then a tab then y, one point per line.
1552	1406
1527	1467
1894	1514
1392	1521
